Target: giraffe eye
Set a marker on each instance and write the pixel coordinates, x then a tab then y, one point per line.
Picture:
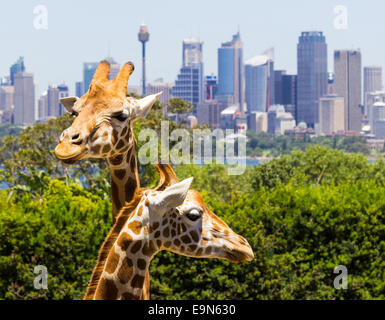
74	114
193	214
121	116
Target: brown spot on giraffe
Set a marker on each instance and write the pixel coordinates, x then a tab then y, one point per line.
106	148
116	160
120	173
126	270
96	148
115	194
135	226
114	261
137	281
107	290
141	263
120	144
124	241
136	247
124	131
129	296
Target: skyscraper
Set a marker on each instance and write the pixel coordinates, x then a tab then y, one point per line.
160	86
289	93
17	67
211	87
312	81
43	107
372	82
24	98
89	69
6	97
259	79
189	85
231	78
278	85
347	84
53	108
79	88
331	114
63	92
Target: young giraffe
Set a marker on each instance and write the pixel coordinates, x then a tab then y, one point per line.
103	128
170	217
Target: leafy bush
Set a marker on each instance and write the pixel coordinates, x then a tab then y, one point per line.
63	231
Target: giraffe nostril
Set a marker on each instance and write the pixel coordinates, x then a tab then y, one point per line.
76	136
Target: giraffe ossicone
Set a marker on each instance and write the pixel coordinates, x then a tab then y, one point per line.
171	217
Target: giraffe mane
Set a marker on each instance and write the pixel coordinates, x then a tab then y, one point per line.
109	241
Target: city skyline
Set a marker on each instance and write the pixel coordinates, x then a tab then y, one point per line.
56	54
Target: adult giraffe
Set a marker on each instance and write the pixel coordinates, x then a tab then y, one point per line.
170	217
103	128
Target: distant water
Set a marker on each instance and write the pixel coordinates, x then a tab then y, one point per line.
249	162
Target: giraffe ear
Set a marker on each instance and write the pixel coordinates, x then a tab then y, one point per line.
143	106
68	102
171	197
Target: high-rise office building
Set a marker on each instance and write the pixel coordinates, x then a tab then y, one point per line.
63	92
160	86
189	85
289	93
312	80
371	99
259	80
192	52
372	82
211	87
379	120
89	69
347	84
43	107
53	104
209	112
17	67
6	97
278	85
231	79
79	88
331	114
24	98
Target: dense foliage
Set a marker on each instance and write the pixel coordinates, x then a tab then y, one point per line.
303	214
264	144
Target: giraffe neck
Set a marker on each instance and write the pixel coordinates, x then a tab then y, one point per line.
124	275
124	179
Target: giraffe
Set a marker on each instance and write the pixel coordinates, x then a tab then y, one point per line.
171	217
103	128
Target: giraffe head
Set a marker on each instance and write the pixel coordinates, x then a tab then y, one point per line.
171	217
181	222
103	117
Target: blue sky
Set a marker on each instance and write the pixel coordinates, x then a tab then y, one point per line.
83	30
